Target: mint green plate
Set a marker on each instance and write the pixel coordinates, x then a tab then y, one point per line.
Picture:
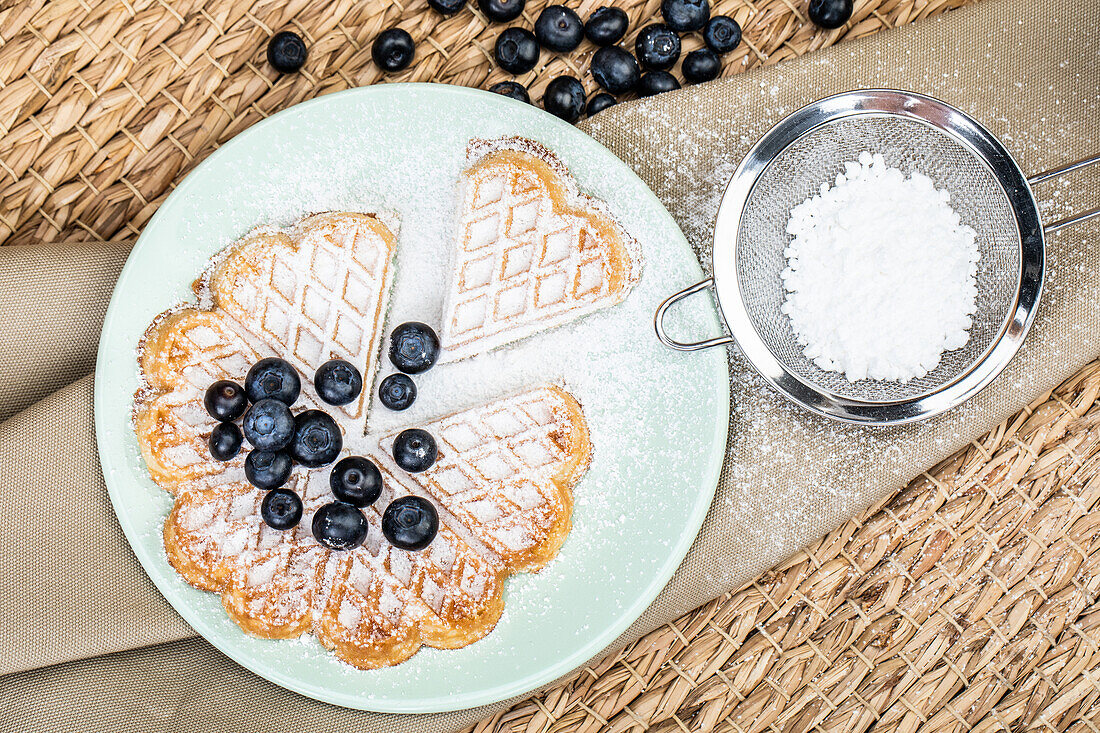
658	418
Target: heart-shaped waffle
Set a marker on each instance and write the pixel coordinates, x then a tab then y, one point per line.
502	483
533	252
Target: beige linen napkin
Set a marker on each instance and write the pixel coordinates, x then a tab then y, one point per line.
70	589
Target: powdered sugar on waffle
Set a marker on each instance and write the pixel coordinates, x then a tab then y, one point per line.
531	252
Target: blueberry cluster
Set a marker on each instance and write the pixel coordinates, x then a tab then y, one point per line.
616	70
279	439
559	29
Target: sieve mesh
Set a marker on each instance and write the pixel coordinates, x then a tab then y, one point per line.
816	157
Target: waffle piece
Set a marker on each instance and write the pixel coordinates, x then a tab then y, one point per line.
183	352
335	266
532	252
506	470
313	293
377	605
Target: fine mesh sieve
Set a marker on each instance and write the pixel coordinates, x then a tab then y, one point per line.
810	147
819	155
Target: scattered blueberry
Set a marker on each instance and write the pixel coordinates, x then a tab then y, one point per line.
655	82
286	52
722	34
606	26
268	425
225	441
830	13
516	50
410	523
397	391
414	347
274	378
559	28
447	7
564	97
338	382
281	509
267	469
414	450
701	65
615	69
685	15
512	90
393	50
501	11
657	46
225	400
355	480
317	439
339	526
599	103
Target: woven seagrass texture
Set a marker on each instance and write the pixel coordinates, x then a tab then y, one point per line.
967	601
104	104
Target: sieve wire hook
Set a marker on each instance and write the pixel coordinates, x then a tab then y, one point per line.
1061	171
659	321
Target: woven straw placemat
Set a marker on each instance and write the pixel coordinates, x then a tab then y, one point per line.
973	590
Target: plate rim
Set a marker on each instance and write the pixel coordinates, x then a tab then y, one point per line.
521	686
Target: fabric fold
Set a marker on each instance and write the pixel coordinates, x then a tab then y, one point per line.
72	588
51	309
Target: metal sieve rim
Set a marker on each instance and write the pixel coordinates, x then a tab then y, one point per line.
986	148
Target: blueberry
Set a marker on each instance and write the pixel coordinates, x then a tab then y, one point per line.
286	52
606	26
516	50
512	90
501	11
657	46
317	439
338	382
268	425
274	378
446	7
564	97
599	103
701	65
281	509
225	400
655	82
830	13
615	69
414	450
267	469
685	15
559	28
410	523
397	392
225	441
339	526
393	50
355	480
414	347
722	34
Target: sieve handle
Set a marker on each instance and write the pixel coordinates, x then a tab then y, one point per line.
659	321
1057	172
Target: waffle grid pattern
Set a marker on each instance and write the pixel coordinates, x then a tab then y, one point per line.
519	266
316	297
479	448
